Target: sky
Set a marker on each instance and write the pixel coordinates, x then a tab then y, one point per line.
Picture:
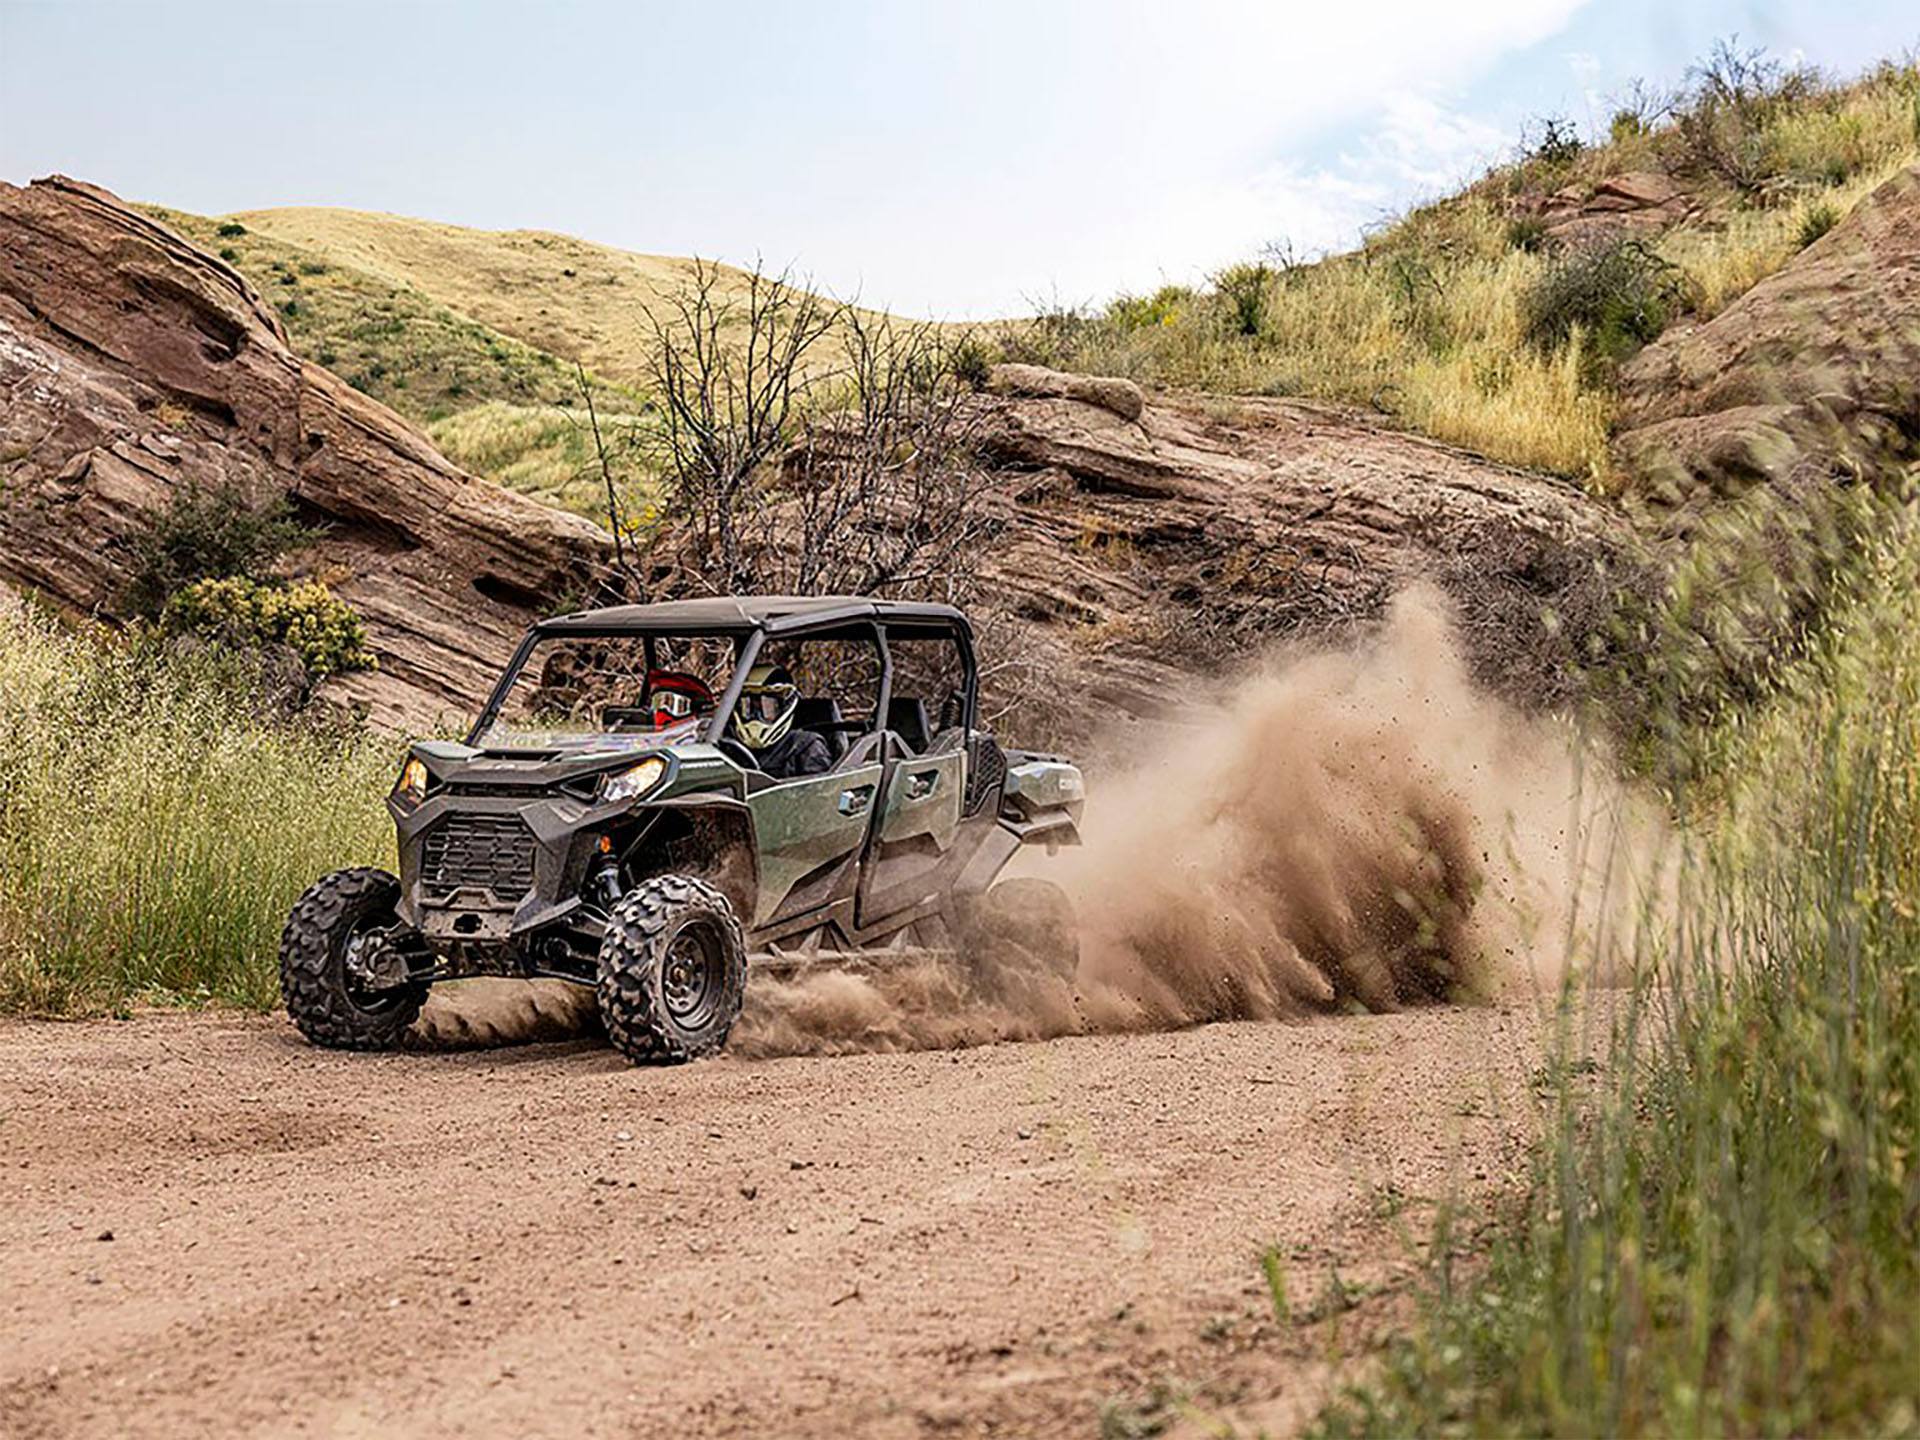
958	160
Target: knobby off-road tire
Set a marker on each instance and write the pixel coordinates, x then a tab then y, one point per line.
314	981
673	971
1028	923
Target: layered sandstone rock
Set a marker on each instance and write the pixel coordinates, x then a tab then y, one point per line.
132	363
1135	552
1812	375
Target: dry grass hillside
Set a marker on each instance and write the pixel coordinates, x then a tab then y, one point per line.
566	297
1497	318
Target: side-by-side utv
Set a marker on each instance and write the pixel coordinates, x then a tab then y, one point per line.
605	823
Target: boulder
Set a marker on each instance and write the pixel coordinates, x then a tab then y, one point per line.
1636	202
132	363
1121	397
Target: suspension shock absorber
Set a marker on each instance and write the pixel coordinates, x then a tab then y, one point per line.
603	886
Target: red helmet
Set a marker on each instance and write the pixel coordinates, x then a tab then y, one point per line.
676	695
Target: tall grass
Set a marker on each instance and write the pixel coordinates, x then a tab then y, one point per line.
1722	1234
154	827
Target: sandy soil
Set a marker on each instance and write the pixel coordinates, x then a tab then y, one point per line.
207	1226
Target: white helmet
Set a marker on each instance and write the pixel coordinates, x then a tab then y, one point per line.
767	704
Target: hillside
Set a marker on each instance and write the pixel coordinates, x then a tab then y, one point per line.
1497	318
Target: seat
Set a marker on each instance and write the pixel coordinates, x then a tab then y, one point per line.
907	718
822	716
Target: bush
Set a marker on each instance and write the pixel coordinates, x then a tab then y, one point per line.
1618	294
1140	312
1818	220
1243	289
230	229
322	630
1559	143
154	832
1737	95
1527	233
209	531
972	361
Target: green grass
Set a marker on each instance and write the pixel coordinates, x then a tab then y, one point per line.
1722	1233
406	348
154	829
543	451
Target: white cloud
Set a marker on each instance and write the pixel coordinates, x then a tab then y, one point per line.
1148	141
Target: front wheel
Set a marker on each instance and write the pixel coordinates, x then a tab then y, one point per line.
329	963
673	971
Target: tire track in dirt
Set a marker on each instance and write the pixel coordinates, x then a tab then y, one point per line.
545	1241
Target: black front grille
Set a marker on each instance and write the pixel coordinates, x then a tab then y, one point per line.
493	852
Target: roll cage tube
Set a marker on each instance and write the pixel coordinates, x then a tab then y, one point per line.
749	652
746	653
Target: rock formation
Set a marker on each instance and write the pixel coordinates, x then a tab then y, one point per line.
1813	373
1137	551
132	363
1635	203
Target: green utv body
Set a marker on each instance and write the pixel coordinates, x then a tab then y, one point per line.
662	867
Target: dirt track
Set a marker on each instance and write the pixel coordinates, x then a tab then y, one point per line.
543	1241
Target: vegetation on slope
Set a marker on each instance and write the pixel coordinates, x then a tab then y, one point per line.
1460	321
404	346
156	823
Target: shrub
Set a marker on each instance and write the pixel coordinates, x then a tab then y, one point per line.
209	531
230	229
1527	232
1139	312
154	830
971	360
1243	288
1737	94
1559	143
322	630
1818	220
1618	293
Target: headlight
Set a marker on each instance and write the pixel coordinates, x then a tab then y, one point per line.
632	784
412	785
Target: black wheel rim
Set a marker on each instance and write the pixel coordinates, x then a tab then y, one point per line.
368	1000
693	976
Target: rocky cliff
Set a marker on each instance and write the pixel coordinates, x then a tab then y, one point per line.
132	363
1149	537
1812	374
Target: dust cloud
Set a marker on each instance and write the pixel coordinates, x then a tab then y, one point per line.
1359	828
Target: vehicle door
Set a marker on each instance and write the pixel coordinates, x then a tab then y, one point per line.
923	790
811	830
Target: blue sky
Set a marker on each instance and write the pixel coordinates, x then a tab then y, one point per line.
958	160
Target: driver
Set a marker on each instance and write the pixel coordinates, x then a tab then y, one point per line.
763	722
677	695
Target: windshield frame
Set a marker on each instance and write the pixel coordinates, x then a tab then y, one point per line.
746	646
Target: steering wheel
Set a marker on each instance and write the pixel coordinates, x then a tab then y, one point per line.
736	752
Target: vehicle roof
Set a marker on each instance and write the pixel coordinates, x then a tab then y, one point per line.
739	614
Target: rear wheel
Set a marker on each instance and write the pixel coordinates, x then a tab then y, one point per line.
1028	924
330	962
673	971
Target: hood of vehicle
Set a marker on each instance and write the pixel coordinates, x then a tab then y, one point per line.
463	767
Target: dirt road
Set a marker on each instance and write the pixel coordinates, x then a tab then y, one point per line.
208	1227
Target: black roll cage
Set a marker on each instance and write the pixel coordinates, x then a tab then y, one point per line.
852	622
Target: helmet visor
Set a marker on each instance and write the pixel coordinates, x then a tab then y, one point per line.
763	705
